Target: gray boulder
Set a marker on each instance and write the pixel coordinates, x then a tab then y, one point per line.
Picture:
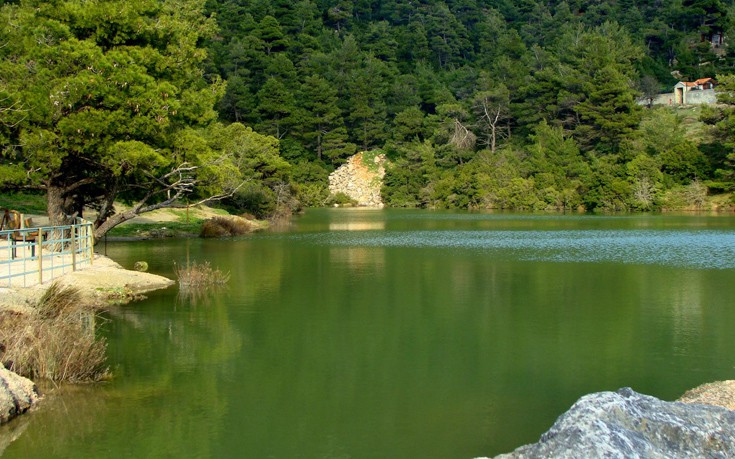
626	424
17	394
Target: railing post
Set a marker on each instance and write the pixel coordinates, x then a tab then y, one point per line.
90	241
72	233
39	240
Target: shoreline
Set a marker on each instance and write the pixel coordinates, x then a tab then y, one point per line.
102	285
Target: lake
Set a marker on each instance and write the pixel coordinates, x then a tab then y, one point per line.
400	334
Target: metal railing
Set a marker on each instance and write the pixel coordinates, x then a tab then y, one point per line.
30	256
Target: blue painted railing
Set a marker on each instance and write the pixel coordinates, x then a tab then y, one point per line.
30	256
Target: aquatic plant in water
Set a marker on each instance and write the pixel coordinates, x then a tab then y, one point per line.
196	275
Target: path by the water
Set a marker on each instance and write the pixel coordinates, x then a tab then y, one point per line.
98	281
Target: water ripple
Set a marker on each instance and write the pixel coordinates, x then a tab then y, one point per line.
705	249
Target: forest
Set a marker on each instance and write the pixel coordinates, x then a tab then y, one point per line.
482	103
478	104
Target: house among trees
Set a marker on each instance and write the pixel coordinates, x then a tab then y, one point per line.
698	92
683	89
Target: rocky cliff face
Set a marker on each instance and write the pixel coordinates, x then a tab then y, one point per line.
625	424
360	178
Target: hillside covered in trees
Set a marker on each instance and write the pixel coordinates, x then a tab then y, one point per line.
481	103
477	104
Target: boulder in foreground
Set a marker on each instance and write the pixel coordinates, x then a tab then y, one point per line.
17	395
626	424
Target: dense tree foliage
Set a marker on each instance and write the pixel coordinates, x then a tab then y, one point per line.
477	103
107	100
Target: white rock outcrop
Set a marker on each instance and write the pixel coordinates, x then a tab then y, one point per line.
360	178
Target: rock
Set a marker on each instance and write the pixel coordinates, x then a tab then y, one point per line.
141	266
17	395
625	424
360	178
718	393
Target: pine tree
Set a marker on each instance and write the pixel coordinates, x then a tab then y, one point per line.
322	115
114	103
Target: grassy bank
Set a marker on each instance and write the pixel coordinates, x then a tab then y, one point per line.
157	229
56	341
173	222
197	221
25	203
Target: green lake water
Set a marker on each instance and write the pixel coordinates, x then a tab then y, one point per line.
399	334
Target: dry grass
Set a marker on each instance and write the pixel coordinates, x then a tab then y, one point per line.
197	275
57	343
225	227
198	281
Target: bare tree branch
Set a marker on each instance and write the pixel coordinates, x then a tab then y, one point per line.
493	111
462	137
175	184
12	108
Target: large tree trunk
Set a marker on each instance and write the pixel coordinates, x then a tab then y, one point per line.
58	206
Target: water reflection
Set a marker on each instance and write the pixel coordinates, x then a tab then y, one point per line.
358	257
460	336
687	309
357	226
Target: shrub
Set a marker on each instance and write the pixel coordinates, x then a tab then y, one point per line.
225	227
341	199
313	194
198	275
58	342
692	196
696	194
254	198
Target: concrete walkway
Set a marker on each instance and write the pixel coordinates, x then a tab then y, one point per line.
23	269
39	254
99	283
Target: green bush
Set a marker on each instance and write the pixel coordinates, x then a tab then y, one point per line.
254	198
312	194
341	199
